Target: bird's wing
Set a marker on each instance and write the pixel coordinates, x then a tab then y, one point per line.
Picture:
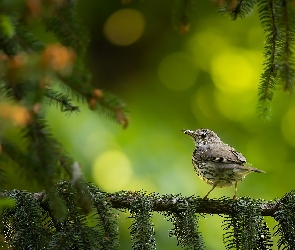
238	168
220	152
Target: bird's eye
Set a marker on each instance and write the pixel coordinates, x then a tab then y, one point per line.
203	135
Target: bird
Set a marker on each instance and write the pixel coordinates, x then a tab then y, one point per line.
217	163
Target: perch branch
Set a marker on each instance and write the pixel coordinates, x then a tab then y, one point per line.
172	203
178	204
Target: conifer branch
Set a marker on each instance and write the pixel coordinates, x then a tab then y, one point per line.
182	14
63	22
26	218
286	72
61	100
109	235
12	153
27	41
111	106
244	226
186	228
37	135
286	218
177	203
235	9
82	235
141	229
267	80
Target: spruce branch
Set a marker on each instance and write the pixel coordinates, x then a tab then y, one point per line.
110	105
27	219
183	11
245	228
75	227
286	71
26	40
178	203
268	77
37	135
61	100
13	153
286	218
64	23
235	9
185	228
242	8
141	229
8	44
52	159
243	218
103	101
105	219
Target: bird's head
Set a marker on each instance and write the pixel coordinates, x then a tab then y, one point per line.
202	136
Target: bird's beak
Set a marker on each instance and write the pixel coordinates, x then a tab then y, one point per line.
188	132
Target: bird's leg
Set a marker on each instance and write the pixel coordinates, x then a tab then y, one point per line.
206	196
236	189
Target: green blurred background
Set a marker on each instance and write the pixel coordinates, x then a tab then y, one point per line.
206	78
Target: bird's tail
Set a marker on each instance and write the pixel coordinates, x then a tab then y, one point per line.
249	165
258	170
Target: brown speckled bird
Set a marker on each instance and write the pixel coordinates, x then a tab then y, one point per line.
217	163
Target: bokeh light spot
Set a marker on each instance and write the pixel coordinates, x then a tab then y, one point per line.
203	103
124	27
112	170
204	45
236	71
17	114
177	71
236	107
287	126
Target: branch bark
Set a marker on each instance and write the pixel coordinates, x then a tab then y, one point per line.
179	204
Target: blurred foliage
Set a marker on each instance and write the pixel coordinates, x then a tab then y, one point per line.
174	68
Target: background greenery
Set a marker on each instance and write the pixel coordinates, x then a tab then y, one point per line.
172	80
